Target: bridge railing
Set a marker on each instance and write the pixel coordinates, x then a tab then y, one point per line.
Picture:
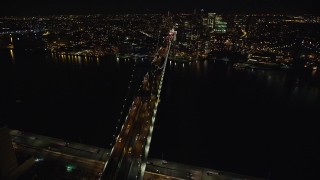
147	143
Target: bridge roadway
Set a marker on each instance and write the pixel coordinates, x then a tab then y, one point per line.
160	169
129	154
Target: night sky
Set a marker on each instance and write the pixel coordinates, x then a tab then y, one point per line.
36	7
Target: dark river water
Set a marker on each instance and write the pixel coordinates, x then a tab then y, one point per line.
255	122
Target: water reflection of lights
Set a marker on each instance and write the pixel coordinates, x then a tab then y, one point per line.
198	69
314	71
12	55
74	58
98	60
205	65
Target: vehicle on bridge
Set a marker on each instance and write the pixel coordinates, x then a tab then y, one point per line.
211	173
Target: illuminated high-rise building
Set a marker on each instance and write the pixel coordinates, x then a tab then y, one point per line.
211	20
220	26
214	23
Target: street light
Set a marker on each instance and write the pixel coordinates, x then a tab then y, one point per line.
69	168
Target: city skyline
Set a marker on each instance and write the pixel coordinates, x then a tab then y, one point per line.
50	7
